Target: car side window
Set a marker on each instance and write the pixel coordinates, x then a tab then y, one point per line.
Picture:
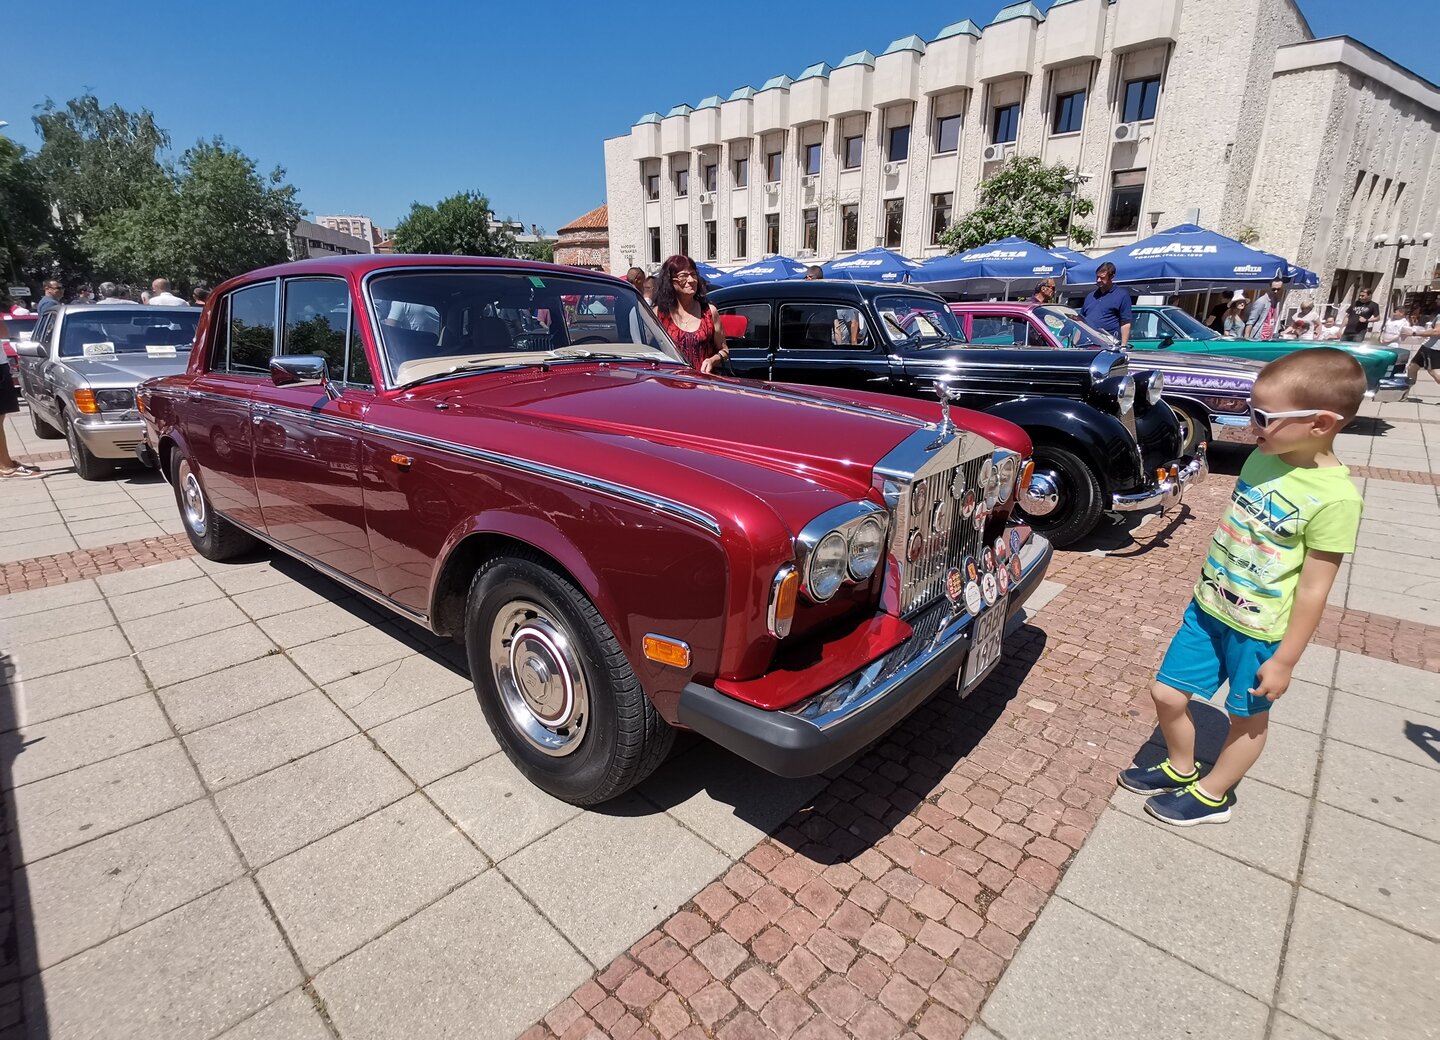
357	365
822	326
317	320
252	330
1005	330
757	326
1146	325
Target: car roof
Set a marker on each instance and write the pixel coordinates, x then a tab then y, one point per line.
125	307
360	264
827	287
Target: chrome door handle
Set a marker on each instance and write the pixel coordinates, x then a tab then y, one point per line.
256	419
194	395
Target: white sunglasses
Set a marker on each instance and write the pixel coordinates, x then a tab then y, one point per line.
1262	419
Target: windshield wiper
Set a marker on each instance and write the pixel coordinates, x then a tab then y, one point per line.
586	354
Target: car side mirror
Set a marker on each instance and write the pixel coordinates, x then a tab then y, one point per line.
28	348
1167	340
299	370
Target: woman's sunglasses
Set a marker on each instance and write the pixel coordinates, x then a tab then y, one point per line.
1262	419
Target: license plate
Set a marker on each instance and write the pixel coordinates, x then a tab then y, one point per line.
985	649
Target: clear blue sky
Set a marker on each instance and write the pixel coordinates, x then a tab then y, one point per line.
370	106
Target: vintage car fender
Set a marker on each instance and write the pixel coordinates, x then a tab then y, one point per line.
1100	439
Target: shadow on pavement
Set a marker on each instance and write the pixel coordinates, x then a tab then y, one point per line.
17	922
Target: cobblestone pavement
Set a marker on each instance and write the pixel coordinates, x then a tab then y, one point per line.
208	766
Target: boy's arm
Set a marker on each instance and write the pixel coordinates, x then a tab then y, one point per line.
1317	577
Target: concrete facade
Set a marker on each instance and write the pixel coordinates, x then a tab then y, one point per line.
359	227
1222	112
310	239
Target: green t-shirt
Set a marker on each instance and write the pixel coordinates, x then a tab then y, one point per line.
1277	514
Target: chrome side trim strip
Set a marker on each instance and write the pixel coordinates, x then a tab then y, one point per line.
417	616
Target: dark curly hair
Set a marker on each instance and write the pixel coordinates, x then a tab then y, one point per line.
666	301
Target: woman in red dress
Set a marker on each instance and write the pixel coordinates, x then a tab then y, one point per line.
687	316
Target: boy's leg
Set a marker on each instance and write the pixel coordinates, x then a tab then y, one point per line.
1243	745
1172	710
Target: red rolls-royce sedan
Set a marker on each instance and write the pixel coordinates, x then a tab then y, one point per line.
624	545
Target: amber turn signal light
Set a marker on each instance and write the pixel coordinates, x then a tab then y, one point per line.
782	612
1026	473
1160	474
85	402
664	650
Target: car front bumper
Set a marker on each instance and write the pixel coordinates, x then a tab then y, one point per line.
110	439
833	724
1167	493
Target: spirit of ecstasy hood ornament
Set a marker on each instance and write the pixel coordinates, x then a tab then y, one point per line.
942	390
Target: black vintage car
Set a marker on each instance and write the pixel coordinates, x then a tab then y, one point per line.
1104	440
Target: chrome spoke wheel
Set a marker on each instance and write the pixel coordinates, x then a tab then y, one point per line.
192	500
540	678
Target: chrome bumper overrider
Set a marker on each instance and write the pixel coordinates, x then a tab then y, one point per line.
1168	492
833	724
1231	429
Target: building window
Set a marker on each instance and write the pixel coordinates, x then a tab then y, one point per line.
941	205
712	176
899	149
742	172
1069	113
652	186
712	240
682	183
742	238
1141	98
772	233
894	222
810	229
1005	126
947	134
849	226
772	166
1126	189
654	245
682	239
812	158
854	152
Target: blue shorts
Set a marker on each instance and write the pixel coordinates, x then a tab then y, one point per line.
1206	652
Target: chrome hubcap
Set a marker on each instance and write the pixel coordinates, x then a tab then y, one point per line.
192	501
1042	497
540	678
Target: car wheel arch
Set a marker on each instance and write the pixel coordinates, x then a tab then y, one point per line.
1047	428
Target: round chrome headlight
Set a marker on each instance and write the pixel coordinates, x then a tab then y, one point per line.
1155	388
1006	473
867	545
1125	394
827	567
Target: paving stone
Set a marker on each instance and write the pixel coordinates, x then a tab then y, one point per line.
86	803
117	535
500	809
278	812
146	603
1316	665
1303	707
239	578
50	748
398	688
1400	732
726	800
209	699
605	876
292	1017
1242	938
481	960
439	739
62	621
1290	760
153	577
287	596
1350	974
50	545
214	652
190	973
250	744
1076	970
332	662
65	693
339	892
67	652
19	604
85	895
297	627
1381	788
1385	872
1287	1028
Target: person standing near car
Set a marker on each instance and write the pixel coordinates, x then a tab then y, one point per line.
846	328
110	293
161	296
1044	292
54	296
1264	317
1107	306
1234	324
687	316
9	405
1364	312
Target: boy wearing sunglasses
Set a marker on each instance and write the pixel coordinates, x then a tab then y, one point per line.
1292	518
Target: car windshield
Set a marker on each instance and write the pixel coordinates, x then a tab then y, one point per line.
440	321
139	330
14	324
915	321
1190	326
1066	326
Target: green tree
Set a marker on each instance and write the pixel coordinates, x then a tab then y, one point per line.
1027	199
462	225
94	160
32	248
212	217
543	249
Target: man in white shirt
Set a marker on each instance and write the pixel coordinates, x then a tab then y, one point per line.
161	296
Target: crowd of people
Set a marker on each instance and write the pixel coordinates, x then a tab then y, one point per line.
159	295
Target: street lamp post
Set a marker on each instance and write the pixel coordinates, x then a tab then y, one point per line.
1397	243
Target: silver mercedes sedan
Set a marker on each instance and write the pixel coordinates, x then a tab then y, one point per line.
79	371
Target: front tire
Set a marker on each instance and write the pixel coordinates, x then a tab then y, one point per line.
213	537
1194	427
1078	498
43	429
87	466
557	690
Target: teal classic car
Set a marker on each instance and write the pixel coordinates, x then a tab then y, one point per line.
1172	329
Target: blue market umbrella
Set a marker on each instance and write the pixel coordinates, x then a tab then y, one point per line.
714	277
772	269
1301	278
1188	256
873	265
1006	261
1071	256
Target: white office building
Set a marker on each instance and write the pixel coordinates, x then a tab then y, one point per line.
1227	113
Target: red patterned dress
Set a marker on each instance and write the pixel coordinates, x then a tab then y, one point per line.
695	346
